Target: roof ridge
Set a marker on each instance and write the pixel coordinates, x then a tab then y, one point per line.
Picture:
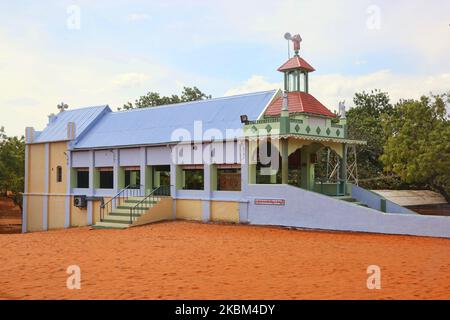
83	108
196	101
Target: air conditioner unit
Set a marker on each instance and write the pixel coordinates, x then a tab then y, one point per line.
80	201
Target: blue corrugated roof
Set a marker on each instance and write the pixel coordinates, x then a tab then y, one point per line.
56	130
156	125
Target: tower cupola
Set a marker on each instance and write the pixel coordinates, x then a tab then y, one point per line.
296	69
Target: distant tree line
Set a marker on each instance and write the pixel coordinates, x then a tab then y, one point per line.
12	166
408	143
154	99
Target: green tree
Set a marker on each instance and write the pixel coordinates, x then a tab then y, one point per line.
12	166
418	144
364	123
153	99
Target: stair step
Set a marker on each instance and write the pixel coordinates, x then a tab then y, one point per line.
346	198
137	201
119	210
110	225
129	207
117	219
361	204
123	214
351	200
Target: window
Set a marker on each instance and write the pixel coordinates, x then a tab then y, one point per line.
133	177
58	174
193	177
106	178
229	178
303	82
161	176
82	177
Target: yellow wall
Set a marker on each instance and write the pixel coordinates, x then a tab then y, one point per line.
58	158
225	211
161	211
78	216
56	212
189	209
96	210
34	213
36	169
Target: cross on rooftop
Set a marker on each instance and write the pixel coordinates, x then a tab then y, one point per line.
62	106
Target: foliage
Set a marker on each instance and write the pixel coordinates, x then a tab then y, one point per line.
418	144
153	99
12	160
364	123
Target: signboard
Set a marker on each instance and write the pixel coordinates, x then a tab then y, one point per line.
270	202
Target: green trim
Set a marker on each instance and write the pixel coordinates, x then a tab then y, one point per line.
383	205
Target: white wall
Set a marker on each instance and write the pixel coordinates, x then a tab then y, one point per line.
308	209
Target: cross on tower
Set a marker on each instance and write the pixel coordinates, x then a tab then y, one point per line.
62	106
296	39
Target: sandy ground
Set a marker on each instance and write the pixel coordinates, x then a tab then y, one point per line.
188	260
10	216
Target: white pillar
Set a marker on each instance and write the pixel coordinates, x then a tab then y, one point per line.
25	196
116	168
91	185
69	190
143	173
46	188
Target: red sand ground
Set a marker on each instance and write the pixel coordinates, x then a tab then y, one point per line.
183	260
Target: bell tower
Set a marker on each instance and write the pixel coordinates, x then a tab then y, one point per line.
296	69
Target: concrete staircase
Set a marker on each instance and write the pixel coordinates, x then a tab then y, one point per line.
119	217
351	200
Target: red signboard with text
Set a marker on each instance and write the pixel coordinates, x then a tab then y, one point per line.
270	202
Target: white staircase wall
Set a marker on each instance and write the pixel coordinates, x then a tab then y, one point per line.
306	209
160	211
373	200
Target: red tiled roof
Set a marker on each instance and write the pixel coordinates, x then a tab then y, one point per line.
296	62
299	102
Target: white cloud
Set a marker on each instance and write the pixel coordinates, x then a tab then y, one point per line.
138	17
39	73
332	88
255	83
130	80
37	78
336	30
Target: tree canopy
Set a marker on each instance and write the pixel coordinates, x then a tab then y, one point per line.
418	143
364	123
12	160
153	99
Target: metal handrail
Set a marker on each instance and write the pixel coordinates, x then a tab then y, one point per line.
262	121
340	186
121	196
145	203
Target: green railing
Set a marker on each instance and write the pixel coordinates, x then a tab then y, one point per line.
131	190
328	188
148	201
262	121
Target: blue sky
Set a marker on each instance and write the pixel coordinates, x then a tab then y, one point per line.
122	49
